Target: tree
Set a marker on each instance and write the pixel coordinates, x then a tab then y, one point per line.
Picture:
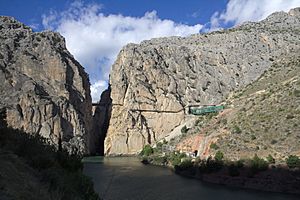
147	150
293	161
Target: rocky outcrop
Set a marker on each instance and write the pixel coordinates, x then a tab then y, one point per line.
44	90
153	82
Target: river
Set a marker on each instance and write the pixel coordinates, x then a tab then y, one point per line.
127	179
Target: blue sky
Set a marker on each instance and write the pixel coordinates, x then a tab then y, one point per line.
193	12
96	30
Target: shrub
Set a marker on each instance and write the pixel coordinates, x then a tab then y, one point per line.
209	116
293	161
270	159
253	137
297	93
147	150
199	121
224	121
160	160
258	164
184	129
273	141
176	157
237	129
159	146
186	164
219	156
210	165
214	146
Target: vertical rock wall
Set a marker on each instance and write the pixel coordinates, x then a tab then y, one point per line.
44	90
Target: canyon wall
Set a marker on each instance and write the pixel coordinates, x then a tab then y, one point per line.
44	90
153	82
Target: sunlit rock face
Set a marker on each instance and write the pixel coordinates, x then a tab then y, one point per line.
153	82
44	90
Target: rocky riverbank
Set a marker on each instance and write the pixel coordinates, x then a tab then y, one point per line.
253	173
273	180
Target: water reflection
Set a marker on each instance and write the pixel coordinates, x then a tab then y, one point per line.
126	178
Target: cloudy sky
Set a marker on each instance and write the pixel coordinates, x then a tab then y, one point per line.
96	30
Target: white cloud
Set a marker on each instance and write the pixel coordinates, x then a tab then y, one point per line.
95	38
97	88
239	11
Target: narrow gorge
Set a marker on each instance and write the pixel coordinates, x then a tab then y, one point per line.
46	92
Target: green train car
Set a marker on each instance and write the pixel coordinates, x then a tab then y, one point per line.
206	109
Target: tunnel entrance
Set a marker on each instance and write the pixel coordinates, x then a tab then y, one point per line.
101	118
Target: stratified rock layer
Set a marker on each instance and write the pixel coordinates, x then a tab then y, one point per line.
44	90
153	82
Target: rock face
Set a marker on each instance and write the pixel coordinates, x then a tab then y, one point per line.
44	90
153	82
101	117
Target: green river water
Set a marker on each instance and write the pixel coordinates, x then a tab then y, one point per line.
121	178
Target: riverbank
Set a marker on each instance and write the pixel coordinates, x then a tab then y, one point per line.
127	178
272	180
250	174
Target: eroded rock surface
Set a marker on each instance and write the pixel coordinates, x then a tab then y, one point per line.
44	90
153	82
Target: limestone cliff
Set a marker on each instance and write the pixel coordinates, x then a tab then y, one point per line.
44	90
153	82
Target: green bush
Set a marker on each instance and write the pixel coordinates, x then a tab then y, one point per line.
186	164
297	93
210	165
219	156
273	141
160	160
253	137
184	129
270	159
214	146
209	116
175	158
147	150
159	146
293	161
236	129
258	164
